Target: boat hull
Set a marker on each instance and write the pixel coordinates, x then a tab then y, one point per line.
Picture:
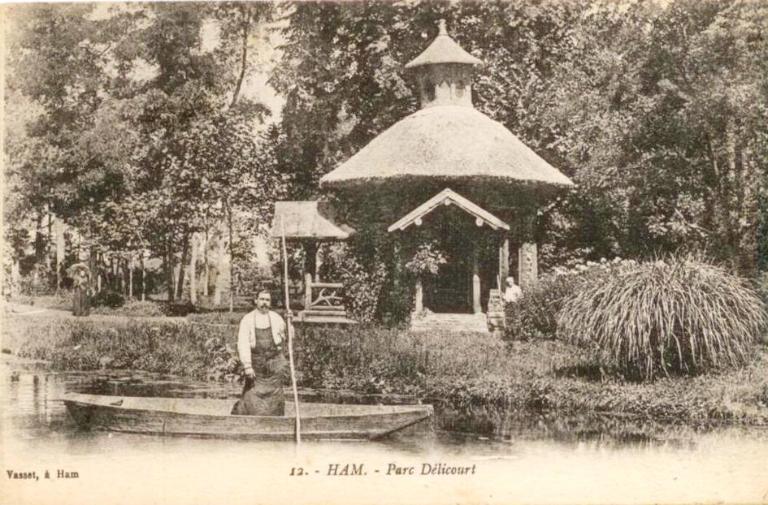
211	418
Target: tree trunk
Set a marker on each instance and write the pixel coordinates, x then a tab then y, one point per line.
49	241
192	271
169	271
60	252
130	277
183	266
39	239
207	278
92	262
749	215
143	279
244	53
231	260
15	277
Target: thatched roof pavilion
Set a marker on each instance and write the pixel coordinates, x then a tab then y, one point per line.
448	138
448	174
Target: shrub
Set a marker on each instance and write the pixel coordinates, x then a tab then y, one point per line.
678	315
178	309
107	298
217	318
762	286
133	308
181	349
362	285
535	314
62	301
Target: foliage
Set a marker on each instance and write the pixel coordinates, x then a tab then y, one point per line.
762	287
107	298
661	111
678	315
482	384
362	286
476	383
138	142
216	318
132	308
178	309
535	314
193	351
654	110
426	260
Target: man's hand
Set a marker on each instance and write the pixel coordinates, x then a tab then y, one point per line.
249	373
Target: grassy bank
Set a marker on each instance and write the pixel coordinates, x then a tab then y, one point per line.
476	382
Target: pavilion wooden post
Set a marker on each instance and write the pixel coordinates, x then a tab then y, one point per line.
318	257
503	259
307	290
527	253
476	307
310	271
419	297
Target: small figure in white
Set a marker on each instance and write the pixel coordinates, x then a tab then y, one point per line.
512	292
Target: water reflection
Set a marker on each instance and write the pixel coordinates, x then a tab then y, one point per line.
683	463
31	411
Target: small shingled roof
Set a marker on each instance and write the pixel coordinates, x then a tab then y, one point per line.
448	197
446	142
443	50
308	220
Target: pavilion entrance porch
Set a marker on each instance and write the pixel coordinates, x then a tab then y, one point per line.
462	284
471	248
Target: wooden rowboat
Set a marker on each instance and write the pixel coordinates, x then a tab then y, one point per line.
212	418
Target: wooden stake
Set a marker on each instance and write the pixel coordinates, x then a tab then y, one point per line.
289	328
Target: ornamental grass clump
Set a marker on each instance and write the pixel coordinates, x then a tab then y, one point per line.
673	316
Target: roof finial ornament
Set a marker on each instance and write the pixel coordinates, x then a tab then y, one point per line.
442	30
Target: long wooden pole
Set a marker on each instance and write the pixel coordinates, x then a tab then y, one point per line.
289	327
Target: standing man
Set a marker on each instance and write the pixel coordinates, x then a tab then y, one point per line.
260	347
82	282
512	292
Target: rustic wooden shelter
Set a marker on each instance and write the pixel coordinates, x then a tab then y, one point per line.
446	174
311	223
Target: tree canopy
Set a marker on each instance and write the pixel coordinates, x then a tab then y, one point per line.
131	122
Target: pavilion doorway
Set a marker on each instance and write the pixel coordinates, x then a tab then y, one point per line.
451	289
475	246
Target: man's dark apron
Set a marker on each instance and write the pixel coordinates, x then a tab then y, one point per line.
263	395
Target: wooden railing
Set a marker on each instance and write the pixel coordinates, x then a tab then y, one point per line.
322	295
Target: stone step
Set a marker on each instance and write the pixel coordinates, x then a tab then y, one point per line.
325	308
450	323
324	313
326	320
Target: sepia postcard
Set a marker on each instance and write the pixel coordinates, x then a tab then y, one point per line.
384	252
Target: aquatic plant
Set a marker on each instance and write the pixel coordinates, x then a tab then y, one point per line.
668	316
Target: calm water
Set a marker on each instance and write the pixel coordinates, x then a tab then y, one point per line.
543	460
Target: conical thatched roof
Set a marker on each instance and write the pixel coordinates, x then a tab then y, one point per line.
443	50
446	142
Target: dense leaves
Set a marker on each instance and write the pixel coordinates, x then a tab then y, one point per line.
131	122
138	142
657	112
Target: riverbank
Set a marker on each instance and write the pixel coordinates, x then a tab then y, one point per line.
477	383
